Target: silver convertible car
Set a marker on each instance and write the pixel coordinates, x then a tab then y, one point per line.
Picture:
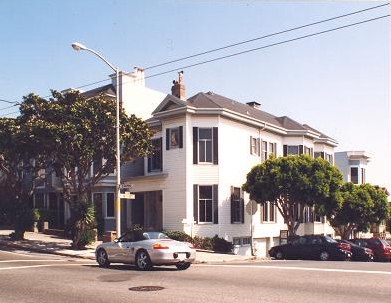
145	249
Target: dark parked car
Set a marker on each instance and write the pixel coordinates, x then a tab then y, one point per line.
315	247
359	253
380	247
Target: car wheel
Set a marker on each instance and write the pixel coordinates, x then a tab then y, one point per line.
143	262
324	256
183	266
102	258
279	255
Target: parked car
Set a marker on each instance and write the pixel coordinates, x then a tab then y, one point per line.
380	247
316	247
145	249
359	253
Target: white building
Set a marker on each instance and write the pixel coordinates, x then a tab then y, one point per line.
353	165
204	147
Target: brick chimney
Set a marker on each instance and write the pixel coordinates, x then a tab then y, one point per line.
178	88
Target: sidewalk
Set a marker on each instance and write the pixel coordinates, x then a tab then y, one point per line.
40	242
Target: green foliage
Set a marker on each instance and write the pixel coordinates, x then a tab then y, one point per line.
178	235
293	180
203	243
363	205
221	245
207	243
18	172
35	214
68	133
82	222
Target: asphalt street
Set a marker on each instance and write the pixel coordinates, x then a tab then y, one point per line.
38	277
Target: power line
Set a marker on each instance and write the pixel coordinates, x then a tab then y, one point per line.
265	36
267	46
252	49
7	101
250	40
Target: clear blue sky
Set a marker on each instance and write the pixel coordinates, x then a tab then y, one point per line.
337	82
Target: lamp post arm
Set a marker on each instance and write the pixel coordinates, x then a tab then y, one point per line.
103	59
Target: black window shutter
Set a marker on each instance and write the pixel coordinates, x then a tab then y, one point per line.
195	145
215	145
251	145
285	150
241	206
161	152
232	205
215	204
195	202
180	136
301	149
167	138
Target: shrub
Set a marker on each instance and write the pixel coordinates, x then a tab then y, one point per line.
221	245
87	237
179	236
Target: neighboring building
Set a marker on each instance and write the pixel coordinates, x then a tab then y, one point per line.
204	147
353	165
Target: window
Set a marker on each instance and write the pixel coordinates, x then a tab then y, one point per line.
242	241
237	206
174	138
155	162
298	150
268	149
268	212
205	145
325	156
307	151
292	150
354	175
272	148
39	200
254	146
110	205
329	157
96	166
205	204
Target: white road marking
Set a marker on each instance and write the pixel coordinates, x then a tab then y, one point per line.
42	265
302	268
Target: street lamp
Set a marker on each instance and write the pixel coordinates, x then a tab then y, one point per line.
78	46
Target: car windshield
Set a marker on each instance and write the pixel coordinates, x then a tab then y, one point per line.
154	235
329	239
384	242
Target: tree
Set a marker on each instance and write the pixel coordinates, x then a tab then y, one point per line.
293	182
20	163
363	205
77	133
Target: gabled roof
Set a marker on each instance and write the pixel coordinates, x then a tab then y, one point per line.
108	89
211	103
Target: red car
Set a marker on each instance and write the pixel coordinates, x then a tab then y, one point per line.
380	248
